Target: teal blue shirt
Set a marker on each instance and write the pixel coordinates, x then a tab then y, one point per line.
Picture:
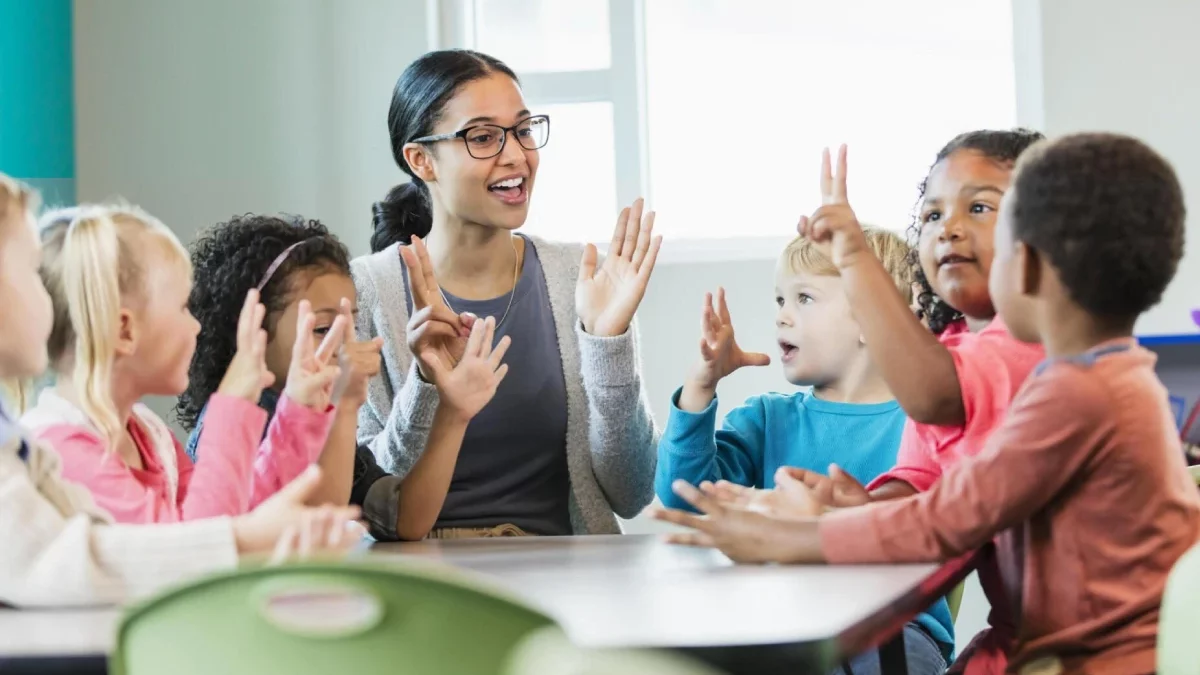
776	430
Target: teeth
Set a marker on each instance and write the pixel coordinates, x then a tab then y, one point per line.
510	183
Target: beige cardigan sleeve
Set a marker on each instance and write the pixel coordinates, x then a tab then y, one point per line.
59	549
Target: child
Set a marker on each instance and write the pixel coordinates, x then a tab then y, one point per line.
122	331
848	416
1082	484
58	547
954	386
292	261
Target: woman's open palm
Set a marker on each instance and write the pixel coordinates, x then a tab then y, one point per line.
607	295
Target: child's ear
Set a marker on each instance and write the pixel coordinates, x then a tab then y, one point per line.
127	333
420	160
1029	263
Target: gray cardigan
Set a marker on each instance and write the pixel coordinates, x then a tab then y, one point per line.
612	440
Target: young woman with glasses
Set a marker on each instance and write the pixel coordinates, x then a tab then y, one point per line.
569	438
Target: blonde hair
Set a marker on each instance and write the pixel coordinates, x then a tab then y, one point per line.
89	268
803	255
18	201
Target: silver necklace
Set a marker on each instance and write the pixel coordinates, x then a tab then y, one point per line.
511	295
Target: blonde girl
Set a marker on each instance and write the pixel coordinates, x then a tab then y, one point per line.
119	281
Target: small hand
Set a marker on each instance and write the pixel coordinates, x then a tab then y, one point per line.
284	516
321	533
314	370
607	297
838	490
834	225
470	385
742	535
788	499
247	374
359	361
433	327
720	354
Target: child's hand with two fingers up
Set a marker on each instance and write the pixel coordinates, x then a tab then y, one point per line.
720	356
314	370
834	224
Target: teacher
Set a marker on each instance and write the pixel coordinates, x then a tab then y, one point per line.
569	438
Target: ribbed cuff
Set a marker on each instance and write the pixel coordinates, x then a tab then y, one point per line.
608	361
418	400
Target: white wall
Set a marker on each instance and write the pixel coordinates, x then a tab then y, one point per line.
200	110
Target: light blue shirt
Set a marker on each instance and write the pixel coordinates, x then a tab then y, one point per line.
777	430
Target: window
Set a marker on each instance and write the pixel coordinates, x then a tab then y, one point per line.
717	109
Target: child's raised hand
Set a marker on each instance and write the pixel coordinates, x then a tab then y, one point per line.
720	354
247	374
359	362
834	224
468	386
314	370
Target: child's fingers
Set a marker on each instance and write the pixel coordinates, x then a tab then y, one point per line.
497	356
332	341
839	180
706	352
258	346
285	545
826	177
681	518
693	539
244	318
703	503
257	316
302	347
755	359
802	227
346	309
722	307
645	236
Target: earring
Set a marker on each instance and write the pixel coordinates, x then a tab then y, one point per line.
862	340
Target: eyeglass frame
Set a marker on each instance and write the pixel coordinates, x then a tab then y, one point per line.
462	133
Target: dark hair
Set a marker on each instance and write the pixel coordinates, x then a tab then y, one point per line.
418	100
229	259
1107	212
1002	146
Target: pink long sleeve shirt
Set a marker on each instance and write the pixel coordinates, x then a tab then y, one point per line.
1084	489
238	472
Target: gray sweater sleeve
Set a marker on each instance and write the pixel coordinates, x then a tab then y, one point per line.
621	429
395	421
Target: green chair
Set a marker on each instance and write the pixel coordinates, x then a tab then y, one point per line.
325	618
549	652
954	600
1178	653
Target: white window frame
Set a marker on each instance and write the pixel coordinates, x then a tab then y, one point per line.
453	23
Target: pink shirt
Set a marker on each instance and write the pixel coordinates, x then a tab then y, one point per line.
236	475
991	366
1085	488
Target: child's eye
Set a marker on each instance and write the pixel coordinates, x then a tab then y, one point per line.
805	299
931	216
778	301
321	330
980	207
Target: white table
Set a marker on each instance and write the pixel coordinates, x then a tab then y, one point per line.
608	591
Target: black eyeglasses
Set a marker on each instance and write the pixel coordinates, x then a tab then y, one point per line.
485	141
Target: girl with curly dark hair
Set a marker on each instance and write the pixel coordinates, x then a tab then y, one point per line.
292	262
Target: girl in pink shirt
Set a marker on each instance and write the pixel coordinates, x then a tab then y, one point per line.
119	281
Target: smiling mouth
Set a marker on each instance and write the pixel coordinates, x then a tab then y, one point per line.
510	190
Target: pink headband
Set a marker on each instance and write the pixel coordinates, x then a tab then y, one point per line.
277	262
